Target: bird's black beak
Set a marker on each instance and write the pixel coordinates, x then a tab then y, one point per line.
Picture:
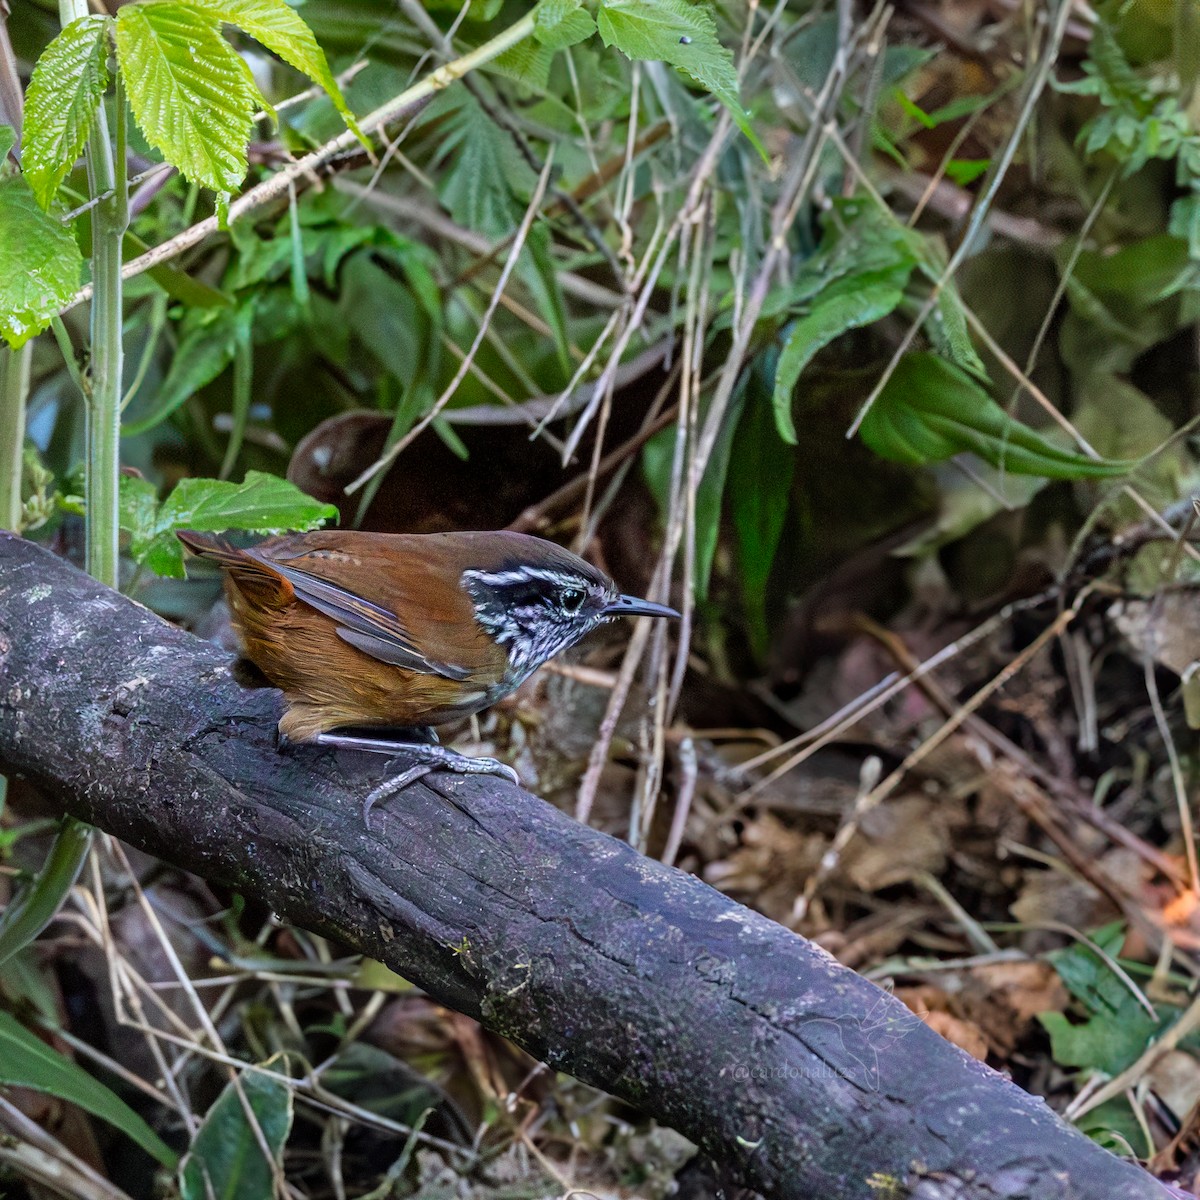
631	606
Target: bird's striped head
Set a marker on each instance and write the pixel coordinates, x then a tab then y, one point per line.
535	607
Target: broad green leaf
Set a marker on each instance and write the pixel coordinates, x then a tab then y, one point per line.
209	342
226	1161
280	28
385	317
850	308
40	264
964	171
682	34
1086	975
1118	1028
261	503
26	1061
64	93
760	481
931	410
191	94
381	1082
37	904
138	506
8	139
1113	1124
561	23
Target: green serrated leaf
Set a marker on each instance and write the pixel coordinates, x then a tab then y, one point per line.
191	94
830	317
64	93
281	29
682	34
558	24
931	410
40	264
528	63
484	166
261	503
226	1161
26	1061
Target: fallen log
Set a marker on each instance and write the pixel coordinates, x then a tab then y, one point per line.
803	1079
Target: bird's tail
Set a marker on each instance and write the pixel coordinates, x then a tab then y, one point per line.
250	574
211	546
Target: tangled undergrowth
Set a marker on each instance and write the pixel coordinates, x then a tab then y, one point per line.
934	701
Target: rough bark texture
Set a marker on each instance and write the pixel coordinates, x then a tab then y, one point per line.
806	1080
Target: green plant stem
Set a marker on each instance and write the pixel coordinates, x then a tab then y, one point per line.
14	387
36	906
106	177
63	338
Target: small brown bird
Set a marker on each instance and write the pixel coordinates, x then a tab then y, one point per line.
406	631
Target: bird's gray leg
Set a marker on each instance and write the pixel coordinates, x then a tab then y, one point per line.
430	756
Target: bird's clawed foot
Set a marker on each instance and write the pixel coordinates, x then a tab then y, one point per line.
429	756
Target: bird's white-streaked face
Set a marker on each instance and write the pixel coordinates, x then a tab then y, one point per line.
535	612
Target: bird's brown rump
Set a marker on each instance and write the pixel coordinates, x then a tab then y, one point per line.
326	681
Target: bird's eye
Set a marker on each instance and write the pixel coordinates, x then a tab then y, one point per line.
571	600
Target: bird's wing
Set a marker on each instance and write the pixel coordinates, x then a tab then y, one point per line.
370	627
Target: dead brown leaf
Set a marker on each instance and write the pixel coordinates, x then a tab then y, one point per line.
937	1009
901	839
771	865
